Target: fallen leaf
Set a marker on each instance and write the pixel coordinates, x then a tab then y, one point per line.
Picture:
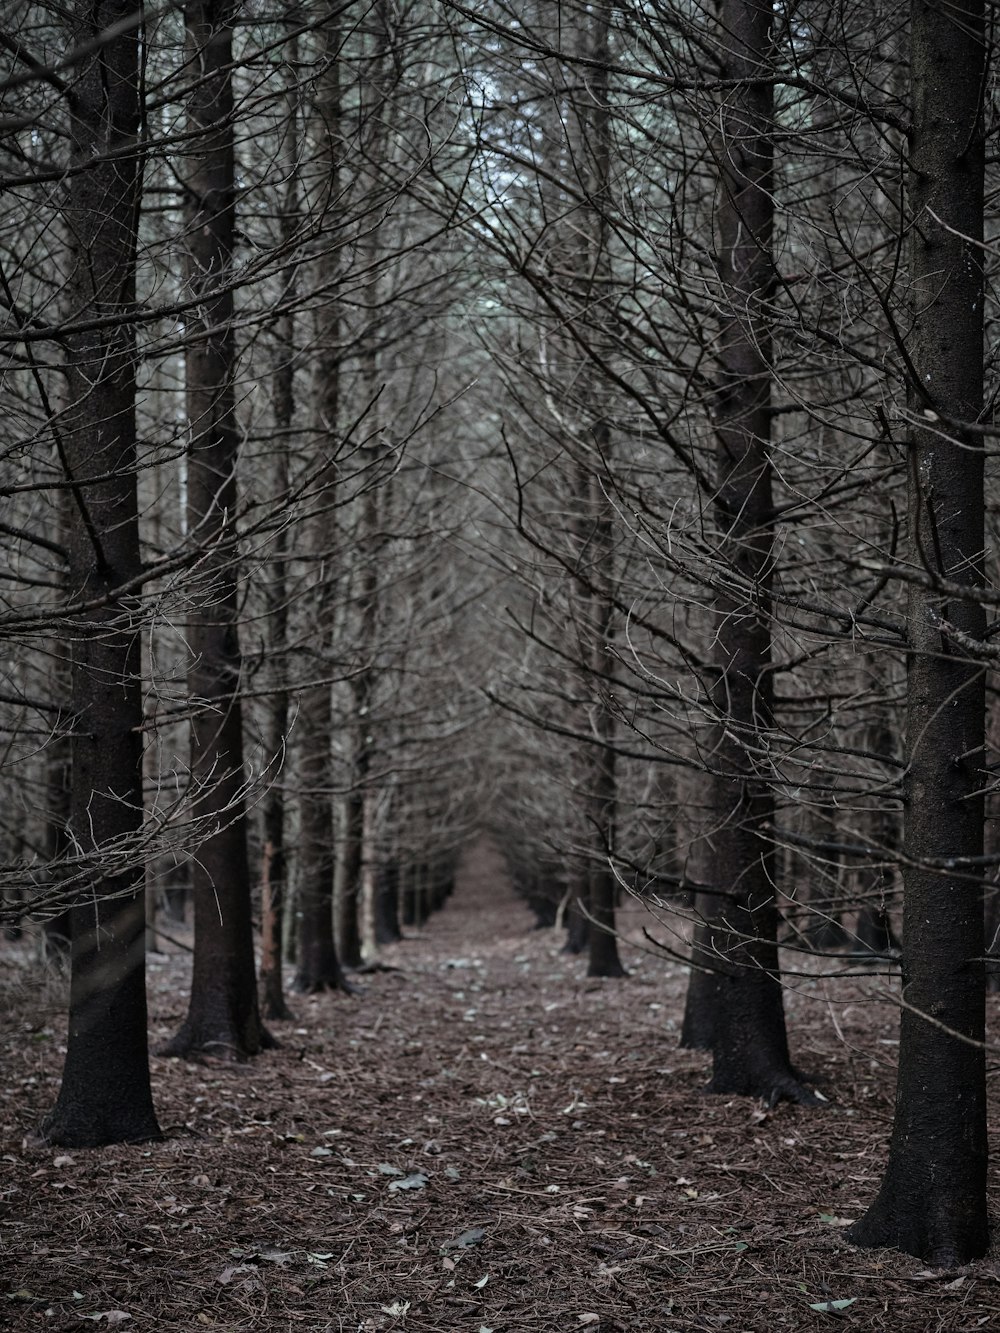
468	1238
832	1307
416	1180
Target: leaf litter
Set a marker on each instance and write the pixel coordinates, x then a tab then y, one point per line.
617	1197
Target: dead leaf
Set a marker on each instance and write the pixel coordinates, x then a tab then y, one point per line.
416	1180
467	1239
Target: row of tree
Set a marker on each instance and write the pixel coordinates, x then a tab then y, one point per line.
566	419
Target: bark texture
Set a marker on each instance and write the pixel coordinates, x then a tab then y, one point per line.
223	1016
318	962
105	1093
274	869
746	1024
932	1201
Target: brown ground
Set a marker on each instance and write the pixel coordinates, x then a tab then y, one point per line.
485	1141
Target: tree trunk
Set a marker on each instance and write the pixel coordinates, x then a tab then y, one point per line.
578	912
274	870
105	1093
223	1016
348	918
58	929
318	963
319	966
932	1200
698	1025
602	952
749	1043
387	903
353	912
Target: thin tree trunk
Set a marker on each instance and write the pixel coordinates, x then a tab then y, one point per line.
318	962
105	1093
352	910
319	966
223	1015
932	1200
597	529
274	870
58	929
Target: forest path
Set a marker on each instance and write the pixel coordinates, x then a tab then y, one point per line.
483	1141
483	911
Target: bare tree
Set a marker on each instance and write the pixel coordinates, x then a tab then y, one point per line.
105	1092
223	1014
745	1025
932	1201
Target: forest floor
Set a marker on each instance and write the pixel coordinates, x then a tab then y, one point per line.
483	1141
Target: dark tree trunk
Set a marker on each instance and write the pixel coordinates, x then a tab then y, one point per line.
387	904
355	926
873	928
318	964
407	899
274	870
348	921
577	913
700	1000
58	929
223	1016
597	547
602	953
105	1092
418	910
749	1043
932	1201
272	904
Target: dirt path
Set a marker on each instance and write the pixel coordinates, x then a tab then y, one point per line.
484	1141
